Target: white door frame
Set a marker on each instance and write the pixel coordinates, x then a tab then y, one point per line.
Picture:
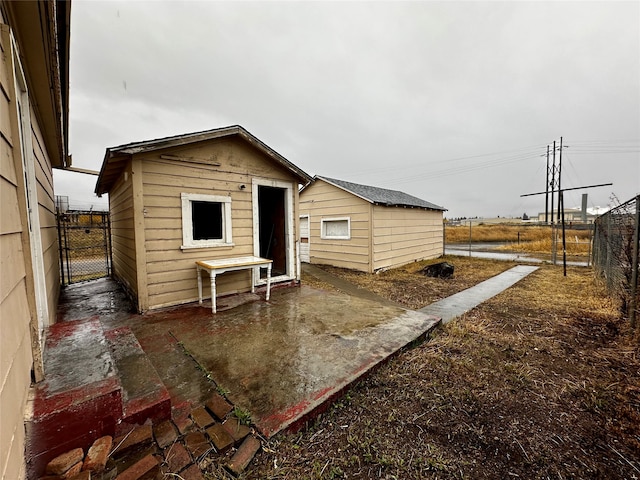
289	225
33	232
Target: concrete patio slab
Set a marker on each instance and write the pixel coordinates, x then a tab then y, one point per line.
279	360
283	359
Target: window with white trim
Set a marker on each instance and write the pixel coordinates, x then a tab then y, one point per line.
335	228
206	220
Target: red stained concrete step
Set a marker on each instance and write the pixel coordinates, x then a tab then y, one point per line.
143	393
96	383
79	400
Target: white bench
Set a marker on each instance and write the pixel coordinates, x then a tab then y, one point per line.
221	265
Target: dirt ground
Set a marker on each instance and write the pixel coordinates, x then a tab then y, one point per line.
542	381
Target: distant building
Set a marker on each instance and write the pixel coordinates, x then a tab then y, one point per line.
575	215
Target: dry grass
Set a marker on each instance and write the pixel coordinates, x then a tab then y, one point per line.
405	286
506	233
542	381
545	246
521	238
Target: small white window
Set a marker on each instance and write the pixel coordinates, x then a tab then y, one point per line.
206	220
336	228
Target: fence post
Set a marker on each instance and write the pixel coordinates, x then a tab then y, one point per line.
60	254
609	251
444	236
592	239
634	267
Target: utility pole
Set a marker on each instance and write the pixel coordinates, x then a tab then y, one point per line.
561	205
561	200
553	188
560	169
546	199
553	178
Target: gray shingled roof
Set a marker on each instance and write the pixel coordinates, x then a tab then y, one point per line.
382	196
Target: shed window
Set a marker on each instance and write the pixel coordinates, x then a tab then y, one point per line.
336	228
206	220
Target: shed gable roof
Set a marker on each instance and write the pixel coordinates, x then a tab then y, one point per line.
381	196
115	157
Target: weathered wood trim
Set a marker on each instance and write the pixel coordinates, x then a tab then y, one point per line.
372	226
139	234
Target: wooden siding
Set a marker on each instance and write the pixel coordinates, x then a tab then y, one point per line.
170	271
123	233
15	316
19	346
404	235
322	200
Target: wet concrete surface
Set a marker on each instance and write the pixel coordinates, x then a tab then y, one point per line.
76	354
283	359
278	360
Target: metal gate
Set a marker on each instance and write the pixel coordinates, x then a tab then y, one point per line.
85	245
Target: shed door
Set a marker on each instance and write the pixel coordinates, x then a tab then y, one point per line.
274	226
273	229
304	239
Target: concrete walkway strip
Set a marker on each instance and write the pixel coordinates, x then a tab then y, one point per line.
451	307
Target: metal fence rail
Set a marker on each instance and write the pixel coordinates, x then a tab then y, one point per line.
85	248
615	254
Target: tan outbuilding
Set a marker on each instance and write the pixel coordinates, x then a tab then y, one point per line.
366	228
217	194
34	65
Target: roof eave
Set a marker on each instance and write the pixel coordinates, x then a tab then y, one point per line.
422	207
43	31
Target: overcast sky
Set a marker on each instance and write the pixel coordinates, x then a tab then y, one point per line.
453	102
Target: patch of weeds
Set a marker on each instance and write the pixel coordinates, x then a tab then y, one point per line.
243	415
204	371
334	472
434	462
524	375
323	470
596	399
439	464
222	391
384	461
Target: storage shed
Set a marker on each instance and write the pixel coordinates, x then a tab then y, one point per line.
217	194
366	228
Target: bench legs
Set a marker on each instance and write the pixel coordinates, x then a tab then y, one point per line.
268	282
212	275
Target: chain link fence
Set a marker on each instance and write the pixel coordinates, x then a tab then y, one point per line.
85	248
615	254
